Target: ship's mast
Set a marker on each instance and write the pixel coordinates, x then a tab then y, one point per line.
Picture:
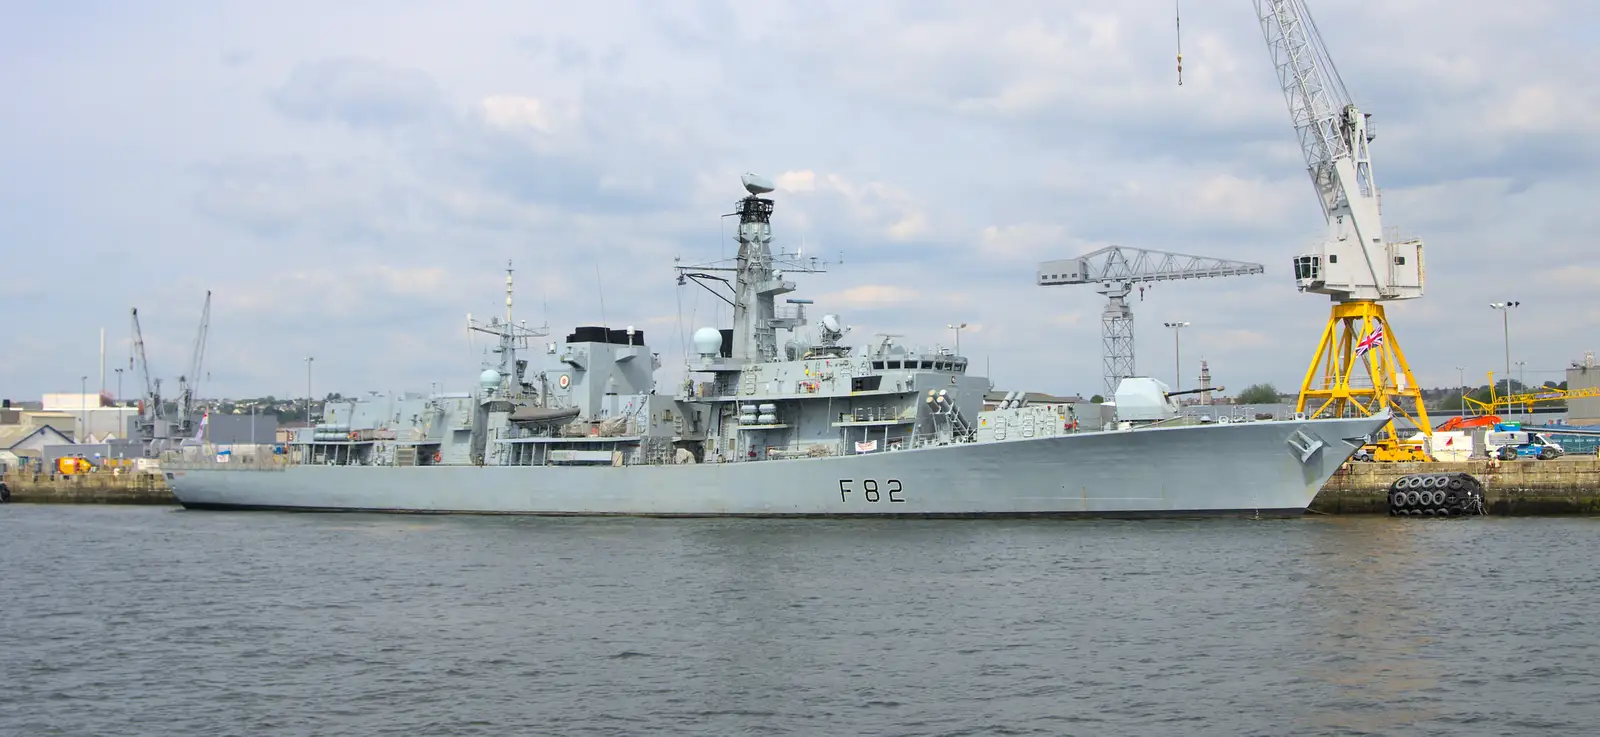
756	283
757	280
510	335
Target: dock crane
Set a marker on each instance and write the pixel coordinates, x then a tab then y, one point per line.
155	426
1116	270
1354	264
189	384
150	404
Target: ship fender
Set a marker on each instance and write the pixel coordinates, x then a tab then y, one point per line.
5	493
1436	495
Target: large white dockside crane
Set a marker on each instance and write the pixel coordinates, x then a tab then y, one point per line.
1358	366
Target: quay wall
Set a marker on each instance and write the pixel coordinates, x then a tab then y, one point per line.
1569	485
89	488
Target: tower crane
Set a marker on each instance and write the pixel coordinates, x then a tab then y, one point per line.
1116	270
189	384
1354	264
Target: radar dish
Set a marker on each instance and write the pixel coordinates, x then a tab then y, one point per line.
756	184
831	322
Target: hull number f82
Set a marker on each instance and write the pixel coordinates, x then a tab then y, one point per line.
871	490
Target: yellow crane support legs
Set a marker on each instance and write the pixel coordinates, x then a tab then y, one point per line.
1363	371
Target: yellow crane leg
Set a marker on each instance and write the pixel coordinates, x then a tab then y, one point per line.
1344	380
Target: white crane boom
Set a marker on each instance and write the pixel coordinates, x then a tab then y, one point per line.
1354	262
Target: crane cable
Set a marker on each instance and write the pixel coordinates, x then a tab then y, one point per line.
1177	19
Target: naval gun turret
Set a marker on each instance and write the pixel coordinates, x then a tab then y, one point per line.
1142	400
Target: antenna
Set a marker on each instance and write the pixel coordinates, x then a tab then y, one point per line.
602	286
508	292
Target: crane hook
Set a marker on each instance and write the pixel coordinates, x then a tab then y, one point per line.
1177	20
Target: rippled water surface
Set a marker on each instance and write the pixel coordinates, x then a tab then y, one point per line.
120	621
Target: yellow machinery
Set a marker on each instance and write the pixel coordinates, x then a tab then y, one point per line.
73	466
1359	367
1350	375
1526	399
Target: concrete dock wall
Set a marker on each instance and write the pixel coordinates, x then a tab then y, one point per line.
1569	485
93	488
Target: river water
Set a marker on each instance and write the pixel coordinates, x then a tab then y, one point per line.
154	621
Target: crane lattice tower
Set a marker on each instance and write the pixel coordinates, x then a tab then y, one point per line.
1115	271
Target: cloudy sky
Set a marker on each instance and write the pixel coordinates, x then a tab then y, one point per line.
350	178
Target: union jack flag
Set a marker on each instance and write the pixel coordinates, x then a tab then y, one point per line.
1369	341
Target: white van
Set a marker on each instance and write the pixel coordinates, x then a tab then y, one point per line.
1523	444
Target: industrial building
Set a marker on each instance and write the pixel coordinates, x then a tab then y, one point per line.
26	444
1583	375
95	418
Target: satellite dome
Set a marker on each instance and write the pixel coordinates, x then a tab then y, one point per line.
489	379
708	341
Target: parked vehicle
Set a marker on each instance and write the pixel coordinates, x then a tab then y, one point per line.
1509	441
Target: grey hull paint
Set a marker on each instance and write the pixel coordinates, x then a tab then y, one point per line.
1244	468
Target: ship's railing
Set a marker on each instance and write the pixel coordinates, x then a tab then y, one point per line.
239	463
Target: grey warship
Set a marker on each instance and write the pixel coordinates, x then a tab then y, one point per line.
808	427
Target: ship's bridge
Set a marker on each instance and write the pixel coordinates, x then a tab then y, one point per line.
891	356
937	362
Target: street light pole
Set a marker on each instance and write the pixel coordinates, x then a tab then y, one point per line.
1505	319
119	385
1461	374
1177	363
957	327
309	359
83	402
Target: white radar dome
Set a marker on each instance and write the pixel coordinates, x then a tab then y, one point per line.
489	379
831	322
756	184
708	341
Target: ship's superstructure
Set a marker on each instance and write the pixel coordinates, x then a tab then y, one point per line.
772	419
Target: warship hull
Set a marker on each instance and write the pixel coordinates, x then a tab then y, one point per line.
1268	468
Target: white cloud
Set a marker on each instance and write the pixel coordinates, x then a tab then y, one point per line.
870	296
796	181
516	111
